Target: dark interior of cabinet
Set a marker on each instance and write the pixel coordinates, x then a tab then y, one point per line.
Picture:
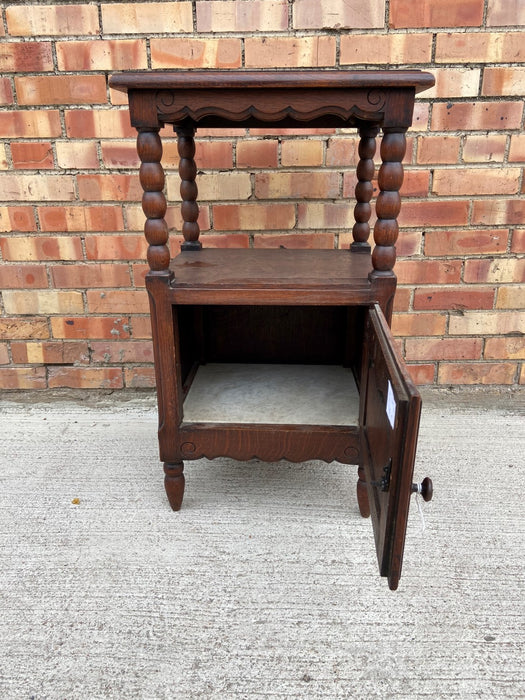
302	335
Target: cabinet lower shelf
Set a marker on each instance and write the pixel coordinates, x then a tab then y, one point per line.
279	394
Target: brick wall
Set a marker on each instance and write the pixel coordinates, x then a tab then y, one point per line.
73	310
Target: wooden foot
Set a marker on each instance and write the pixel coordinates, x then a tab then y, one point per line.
174	483
362	495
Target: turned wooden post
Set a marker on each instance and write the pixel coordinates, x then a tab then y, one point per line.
388	204
364	188
149	148
188	188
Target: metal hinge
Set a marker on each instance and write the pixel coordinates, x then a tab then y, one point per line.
384	483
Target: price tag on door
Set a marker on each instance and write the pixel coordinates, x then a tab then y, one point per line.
391	405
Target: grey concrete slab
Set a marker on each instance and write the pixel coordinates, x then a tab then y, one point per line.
265	584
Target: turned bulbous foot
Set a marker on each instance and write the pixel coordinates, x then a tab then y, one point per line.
174	483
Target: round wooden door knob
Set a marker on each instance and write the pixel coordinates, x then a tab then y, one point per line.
425	488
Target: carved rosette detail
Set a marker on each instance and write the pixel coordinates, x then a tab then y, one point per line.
149	148
188	188
364	188
388	205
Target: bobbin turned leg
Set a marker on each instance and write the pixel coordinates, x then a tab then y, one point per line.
364	188
174	483
188	188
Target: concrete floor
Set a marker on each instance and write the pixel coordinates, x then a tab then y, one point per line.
266	583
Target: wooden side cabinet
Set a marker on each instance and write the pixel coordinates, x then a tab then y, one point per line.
283	354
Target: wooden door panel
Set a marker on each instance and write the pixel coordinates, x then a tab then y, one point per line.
389	417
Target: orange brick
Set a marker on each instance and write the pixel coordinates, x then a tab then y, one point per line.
85	377
141	326
499	271
119	154
4	165
4	355
42	302
77	154
122	351
428	271
413	324
511	297
415	183
18	328
117	247
484	148
135	218
87	276
23	378
512	348
461	243
50	353
32	155
476	181
482	323
504	81
436	13
196	53
289	52
422	374
517	148
421	349
253	217
389	49
282	185
457	298
118	301
257	154
498	211
429	213
19	124
402	297
211	155
36	187
17	219
477	373
420	116
338	14
302	152
312	241
217	240
6	92
109	187
22	276
230	16
147	18
214	187
105	124
454	82
77	218
27	248
501	13
483	47
480	116
518	241
23	57
80	328
115	54
322	215
139	377
60	89
53	20
342	151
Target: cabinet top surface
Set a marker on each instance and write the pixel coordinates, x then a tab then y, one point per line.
271	79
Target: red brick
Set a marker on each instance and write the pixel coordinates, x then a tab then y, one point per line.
214	187
517	148
431	213
415	183
338	14
6	92
141	326
60	89
321	215
480	116
17	219
501	13
230	16
135	218
32	155
87	276
212	155
253	217
118	301
420	116
482	47
313	241
77	154
467	242
436	13
283	185
428	271
78	218
19	124
518	241
104	123
139	377
414	324
497	271
119	154
196	53
289	52
53	20
512	348
409	243
4	355
481	148
50	353
403	294
256	154
22	276
147	18
23	378
119	247
498	211
116	187
385	49
23	57
28	248
476	181
342	151
113	54
122	351
218	240
422	374
81	328
477	373
85	377
457	298
443	349
503	81
15	328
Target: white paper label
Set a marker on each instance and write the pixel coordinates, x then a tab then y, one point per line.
391	405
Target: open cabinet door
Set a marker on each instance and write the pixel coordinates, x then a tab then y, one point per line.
390	407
